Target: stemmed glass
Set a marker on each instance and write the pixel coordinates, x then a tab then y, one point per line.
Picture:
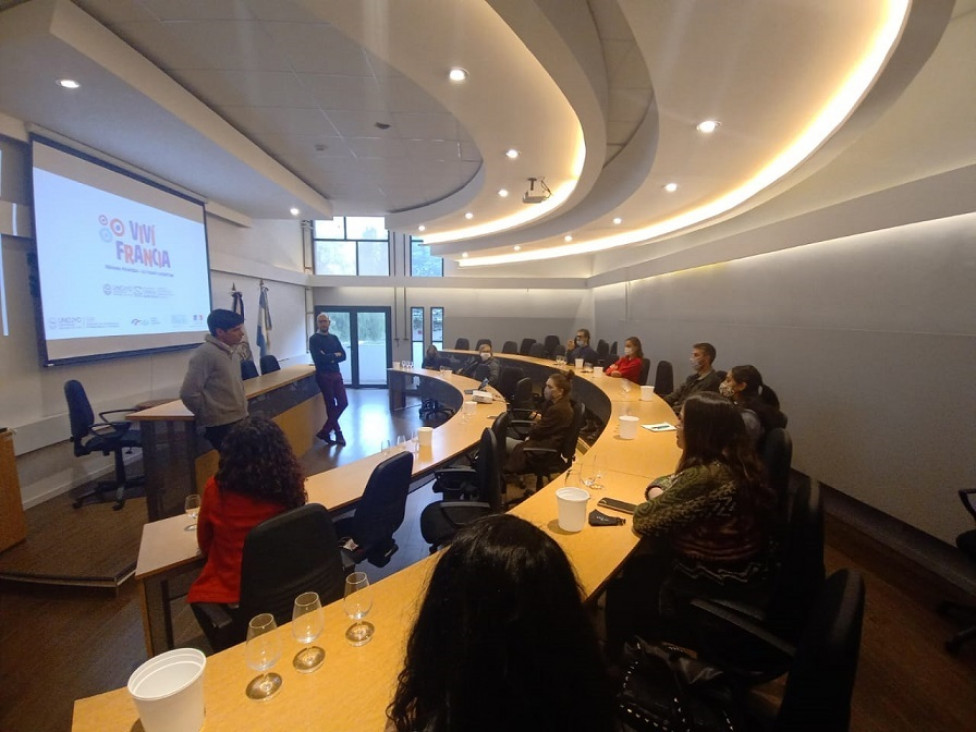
358	601
401	443
262	651
191	507
593	474
307	624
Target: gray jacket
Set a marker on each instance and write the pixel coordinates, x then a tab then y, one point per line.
212	388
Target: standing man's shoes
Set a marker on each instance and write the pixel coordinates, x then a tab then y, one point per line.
324	436
339	439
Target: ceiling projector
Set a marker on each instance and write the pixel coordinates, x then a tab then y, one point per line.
536	196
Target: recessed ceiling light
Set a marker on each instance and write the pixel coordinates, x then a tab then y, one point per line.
617	221
512	153
294	211
469	215
517	248
707	127
457	75
568	237
503	192
421	228
464	255
68	83
671	187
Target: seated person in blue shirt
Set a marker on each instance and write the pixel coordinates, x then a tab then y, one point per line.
580	348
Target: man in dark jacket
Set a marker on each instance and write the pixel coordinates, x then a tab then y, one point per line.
327	353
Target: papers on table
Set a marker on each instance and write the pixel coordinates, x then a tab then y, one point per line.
659	427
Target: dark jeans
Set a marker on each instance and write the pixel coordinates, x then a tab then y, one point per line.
217	434
334	394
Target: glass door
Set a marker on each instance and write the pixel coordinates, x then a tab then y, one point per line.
365	335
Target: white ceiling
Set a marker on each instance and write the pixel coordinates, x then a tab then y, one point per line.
260	105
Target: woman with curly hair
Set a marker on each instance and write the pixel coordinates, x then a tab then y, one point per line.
258	477
502	641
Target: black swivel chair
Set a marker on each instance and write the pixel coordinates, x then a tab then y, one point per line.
441	520
368	533
537	350
482	342
462	344
777	457
269	363
248	369
645	371
106	437
966	541
460	481
508	379
526	346
294	552
603	351
664	378
510	347
544	462
559	350
550	342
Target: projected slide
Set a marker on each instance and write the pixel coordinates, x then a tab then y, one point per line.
122	264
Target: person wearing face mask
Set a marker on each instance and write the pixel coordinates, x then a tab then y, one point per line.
756	402
484	365
703	379
629	365
553	420
580	348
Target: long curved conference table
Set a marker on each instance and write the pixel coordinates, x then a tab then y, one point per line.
353	688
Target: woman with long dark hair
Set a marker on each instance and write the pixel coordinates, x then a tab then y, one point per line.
258	477
502	641
708	524
757	402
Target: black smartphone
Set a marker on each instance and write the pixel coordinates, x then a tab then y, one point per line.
614	505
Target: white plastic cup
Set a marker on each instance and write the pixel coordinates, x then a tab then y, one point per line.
579	365
628	427
469	407
168	691
425	436
571	503
647	393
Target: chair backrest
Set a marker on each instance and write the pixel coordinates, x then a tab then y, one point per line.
481	342
800	576
248	369
821	682
526	345
645	371
482	372
522	397
559	350
721	374
508	379
488	470
568	448
462	344
602	348
777	456
550	342
80	413
294	552
269	363
500	429
537	350
510	347
664	378
613	347
380	510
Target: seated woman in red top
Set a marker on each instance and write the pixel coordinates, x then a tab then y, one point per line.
258	477
628	366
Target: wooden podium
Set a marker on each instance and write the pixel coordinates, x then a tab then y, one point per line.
13	528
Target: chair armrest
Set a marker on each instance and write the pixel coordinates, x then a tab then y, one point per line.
541	450
216	614
101	415
459	472
466	505
744	624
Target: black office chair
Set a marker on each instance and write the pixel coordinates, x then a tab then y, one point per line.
508	379
510	347
603	351
294	552
106	437
368	533
441	520
460	480
664	378
777	457
544	462
269	363
462	344
613	347
248	369
482	342
559	350
550	342
526	346
430	407
645	370
966	541
537	350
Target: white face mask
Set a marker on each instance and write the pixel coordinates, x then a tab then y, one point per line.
628	351
695	363
485	356
726	390
579	341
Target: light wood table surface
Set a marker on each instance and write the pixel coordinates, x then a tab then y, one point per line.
353	688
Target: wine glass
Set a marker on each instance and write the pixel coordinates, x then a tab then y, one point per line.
191	507
307	624
597	470
262	651
385	447
357	603
401	443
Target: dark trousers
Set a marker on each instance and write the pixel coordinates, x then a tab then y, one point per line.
217	434
334	394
